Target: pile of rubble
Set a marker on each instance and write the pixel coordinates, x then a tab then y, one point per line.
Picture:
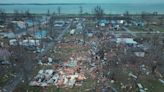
68	75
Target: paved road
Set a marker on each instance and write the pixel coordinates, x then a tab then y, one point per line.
129	31
133	33
148	32
11	85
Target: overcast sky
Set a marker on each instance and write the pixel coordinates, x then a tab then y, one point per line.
81	1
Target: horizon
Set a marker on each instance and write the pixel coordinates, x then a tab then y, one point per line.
81	1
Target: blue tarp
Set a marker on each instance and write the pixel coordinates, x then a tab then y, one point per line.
30	22
41	34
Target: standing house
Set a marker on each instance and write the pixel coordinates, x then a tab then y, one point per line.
20	25
14	42
127	41
59	24
30	43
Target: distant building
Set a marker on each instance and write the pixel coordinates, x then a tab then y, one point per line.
59	24
30	23
14	42
19	24
103	22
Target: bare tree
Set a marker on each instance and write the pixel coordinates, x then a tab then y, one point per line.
3	15
99	12
28	14
59	10
51	25
16	15
127	16
48	12
146	17
155	53
81	11
155	13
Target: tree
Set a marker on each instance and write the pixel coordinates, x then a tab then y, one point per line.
155	13
99	12
28	14
161	20
146	17
156	49
2	15
59	10
48	12
51	25
155	52
81	11
16	15
127	16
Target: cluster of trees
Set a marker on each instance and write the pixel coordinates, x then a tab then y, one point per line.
2	16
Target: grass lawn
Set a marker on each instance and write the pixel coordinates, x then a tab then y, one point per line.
149	81
5	75
136	29
152	84
157	28
141	29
